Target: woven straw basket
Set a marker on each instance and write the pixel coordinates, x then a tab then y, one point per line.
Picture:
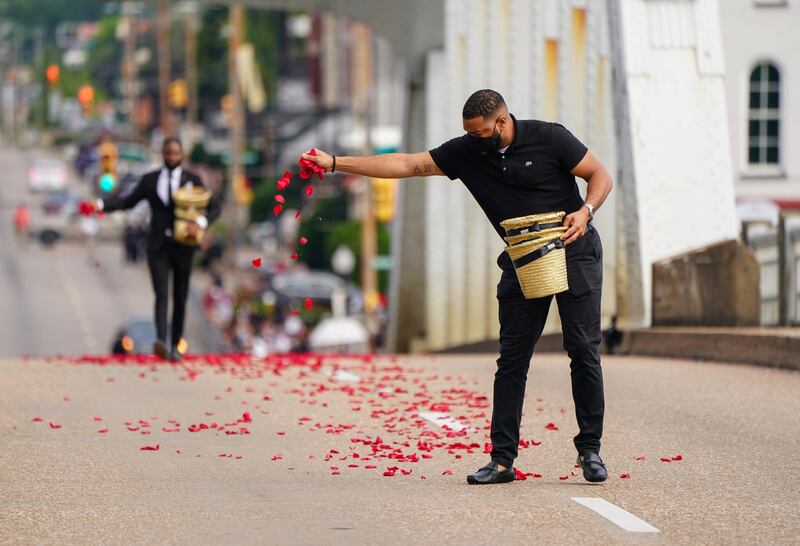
533	223
190	203
538	254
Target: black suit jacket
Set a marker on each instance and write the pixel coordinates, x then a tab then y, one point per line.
162	216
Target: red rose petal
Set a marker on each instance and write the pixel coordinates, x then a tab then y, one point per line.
97	418
303	240
294	256
666	460
37	419
678	458
309	190
54	425
295	312
150	448
103	430
309	304
297	215
551	426
447	472
284	181
277	210
279	198
256	262
626	475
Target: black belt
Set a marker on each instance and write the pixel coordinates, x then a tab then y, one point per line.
538	253
534	228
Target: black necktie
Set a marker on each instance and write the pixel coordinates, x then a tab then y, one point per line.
169	188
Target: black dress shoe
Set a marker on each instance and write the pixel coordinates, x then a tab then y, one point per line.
175	355
160	348
491	473
593	468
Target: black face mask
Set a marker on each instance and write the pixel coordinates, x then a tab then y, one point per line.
484	145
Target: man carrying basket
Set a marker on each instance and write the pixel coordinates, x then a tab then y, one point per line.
522	174
178	199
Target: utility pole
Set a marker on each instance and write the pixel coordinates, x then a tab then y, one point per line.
164	66
237	122
362	72
129	67
15	44
39	77
190	43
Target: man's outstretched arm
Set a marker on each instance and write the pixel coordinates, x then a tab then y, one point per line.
380	166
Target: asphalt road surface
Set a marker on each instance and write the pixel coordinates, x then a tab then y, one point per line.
294	450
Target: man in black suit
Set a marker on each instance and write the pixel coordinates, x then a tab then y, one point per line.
164	253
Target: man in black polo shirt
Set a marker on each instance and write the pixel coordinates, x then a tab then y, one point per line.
516	168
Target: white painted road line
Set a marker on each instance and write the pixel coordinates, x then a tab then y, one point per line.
342	375
443	419
616	515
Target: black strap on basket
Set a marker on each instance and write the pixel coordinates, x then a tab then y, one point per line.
538	253
534	228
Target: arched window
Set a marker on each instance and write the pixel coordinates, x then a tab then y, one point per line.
764	116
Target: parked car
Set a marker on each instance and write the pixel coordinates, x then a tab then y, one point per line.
321	286
61	201
137	336
47	175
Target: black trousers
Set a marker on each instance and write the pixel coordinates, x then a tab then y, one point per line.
521	323
177	258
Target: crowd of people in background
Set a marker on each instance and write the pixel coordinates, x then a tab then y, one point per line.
251	322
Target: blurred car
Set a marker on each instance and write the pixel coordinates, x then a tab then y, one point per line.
320	286
85	158
339	335
47	174
61	202
137	337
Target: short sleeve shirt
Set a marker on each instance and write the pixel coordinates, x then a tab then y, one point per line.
532	176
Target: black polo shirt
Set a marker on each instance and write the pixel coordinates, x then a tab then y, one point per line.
532	176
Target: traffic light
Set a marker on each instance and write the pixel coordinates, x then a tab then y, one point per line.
383	198
178	94
85	97
52	73
242	190
108	166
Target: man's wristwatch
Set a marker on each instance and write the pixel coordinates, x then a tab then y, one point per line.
591	210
